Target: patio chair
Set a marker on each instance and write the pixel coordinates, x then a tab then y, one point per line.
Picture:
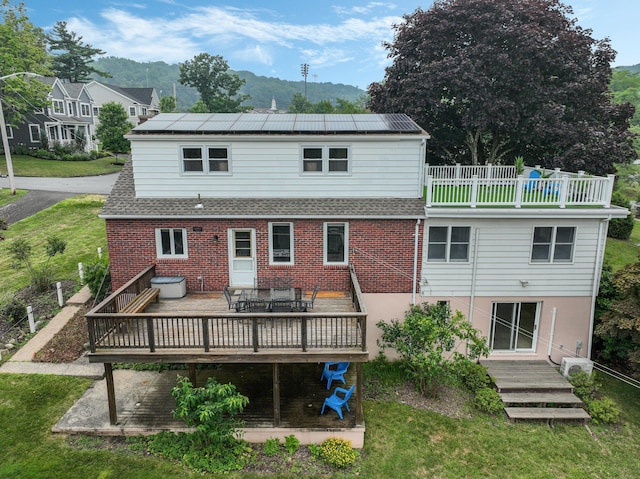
306	304
336	402
532	184
337	373
237	305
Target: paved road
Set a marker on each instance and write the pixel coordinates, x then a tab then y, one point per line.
45	192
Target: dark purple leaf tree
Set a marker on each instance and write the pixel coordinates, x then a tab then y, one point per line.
494	79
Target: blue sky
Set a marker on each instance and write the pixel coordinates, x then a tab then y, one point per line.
340	41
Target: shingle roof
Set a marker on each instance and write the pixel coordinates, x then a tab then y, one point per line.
122	203
143	96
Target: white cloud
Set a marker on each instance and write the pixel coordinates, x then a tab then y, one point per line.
327	57
257	53
363	10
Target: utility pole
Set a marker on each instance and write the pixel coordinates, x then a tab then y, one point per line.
304	69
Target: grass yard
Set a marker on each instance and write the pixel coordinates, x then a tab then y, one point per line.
400	442
6	197
75	220
30	166
619	253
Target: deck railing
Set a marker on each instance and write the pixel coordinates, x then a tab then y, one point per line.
495	186
150	332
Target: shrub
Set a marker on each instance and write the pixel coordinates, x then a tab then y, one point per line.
584	385
603	411
472	376
488	400
272	446
42	275
338	452
98	278
620	228
291	444
13	310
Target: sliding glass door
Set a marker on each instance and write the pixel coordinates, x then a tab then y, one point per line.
514	327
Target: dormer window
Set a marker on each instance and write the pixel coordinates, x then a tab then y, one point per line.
58	107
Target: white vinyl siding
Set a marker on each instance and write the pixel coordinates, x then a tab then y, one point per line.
263	168
503	261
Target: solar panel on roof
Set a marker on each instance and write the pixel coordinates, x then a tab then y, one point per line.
400	122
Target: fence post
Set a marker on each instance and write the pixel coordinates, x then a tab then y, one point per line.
474	191
429	188
519	189
489	171
564	191
609	191
458	171
60	297
32	322
81	272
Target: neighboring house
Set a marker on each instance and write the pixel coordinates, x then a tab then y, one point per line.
345	203
67	117
139	103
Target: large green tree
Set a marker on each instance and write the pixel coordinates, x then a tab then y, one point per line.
114	124
71	56
217	86
22	49
491	78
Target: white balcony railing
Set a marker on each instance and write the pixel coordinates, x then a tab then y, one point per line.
499	186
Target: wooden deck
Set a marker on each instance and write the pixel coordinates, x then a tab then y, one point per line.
535	390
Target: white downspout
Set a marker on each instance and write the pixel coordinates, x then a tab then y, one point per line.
597	272
553	329
473	275
416	237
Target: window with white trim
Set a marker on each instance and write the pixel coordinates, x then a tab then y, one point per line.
9	132
448	244
171	242
217	159
132	111
58	107
332	160
281	243
336	243
553	244
143	110
96	111
34	133
85	109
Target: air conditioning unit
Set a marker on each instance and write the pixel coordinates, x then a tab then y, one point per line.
571	366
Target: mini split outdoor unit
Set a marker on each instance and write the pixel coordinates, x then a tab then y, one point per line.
571	366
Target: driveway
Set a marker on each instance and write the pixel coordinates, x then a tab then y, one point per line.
45	192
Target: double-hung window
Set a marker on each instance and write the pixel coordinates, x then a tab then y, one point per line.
34	133
336	243
58	107
281	243
448	244
171	242
132	111
85	109
553	244
205	159
332	160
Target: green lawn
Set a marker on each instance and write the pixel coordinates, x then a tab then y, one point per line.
6	197
400	442
75	220
620	253
29	166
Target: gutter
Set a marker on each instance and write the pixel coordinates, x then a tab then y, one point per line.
597	273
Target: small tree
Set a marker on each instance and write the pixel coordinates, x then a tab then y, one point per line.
167	104
114	124
42	276
424	340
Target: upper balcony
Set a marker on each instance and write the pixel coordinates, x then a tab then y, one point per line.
501	186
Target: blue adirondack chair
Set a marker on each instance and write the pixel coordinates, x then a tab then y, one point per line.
532	184
336	402
334	374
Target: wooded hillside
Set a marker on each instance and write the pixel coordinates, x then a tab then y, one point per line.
163	77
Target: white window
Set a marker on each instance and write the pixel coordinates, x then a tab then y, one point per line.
326	160
96	111
448	244
193	159
85	109
171	242
58	107
144	110
281	243
336	243
34	133
132	111
553	244
9	132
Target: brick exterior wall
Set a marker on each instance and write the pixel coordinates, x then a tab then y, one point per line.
382	252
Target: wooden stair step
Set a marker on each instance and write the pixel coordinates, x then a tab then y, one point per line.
540	398
547	413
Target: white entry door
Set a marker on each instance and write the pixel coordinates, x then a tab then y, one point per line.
242	257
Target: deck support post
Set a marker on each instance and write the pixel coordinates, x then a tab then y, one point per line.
359	395
192	374
111	394
276	395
